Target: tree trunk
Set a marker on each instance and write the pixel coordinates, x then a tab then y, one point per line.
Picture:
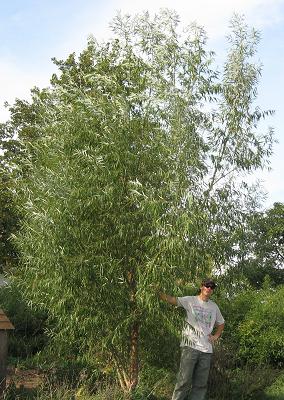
128	379
134	359
123	380
134	334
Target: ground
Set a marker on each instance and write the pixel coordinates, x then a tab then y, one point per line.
28	379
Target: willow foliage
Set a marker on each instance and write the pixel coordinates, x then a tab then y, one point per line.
131	181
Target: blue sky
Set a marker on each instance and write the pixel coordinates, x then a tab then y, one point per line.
32	32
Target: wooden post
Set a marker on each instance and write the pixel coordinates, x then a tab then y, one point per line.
5	325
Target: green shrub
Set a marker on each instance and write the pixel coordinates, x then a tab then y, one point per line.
108	392
255	326
28	337
261	333
248	382
155	383
276	390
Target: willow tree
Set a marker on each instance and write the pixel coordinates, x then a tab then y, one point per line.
131	181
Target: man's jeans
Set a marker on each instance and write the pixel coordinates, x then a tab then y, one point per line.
193	374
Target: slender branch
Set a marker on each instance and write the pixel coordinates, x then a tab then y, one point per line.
222	152
224	175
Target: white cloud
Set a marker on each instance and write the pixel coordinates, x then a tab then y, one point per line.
13	84
16	82
213	15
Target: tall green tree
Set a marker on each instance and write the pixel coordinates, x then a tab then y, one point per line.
131	180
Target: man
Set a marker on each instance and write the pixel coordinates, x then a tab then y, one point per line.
202	316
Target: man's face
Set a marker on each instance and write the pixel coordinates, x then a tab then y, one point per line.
207	289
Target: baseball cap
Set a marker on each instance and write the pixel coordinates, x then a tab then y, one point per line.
208	281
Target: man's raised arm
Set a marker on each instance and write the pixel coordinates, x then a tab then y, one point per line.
169	299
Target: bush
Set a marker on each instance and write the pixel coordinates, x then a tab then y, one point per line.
255	326
28	337
155	383
261	333
248	382
276	390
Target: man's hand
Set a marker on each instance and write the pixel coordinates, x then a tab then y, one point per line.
213	338
165	297
169	299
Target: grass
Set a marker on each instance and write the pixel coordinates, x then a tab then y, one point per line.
113	392
276	390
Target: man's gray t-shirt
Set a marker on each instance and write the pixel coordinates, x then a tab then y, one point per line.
201	317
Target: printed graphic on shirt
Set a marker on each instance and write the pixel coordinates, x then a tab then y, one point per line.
194	338
202	316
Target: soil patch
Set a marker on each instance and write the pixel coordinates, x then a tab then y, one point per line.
24	378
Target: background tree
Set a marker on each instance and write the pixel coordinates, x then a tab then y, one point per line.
129	181
260	253
8	225
17	137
